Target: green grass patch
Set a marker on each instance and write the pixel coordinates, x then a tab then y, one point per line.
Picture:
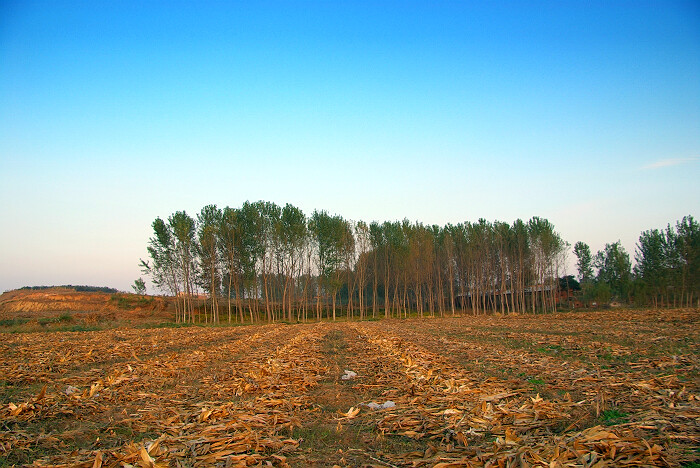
613	416
79	328
607	355
551	350
10	392
13	322
63	318
535	382
121	301
313	435
127	302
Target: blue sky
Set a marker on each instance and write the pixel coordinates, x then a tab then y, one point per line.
114	113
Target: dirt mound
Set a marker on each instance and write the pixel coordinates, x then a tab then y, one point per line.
24	303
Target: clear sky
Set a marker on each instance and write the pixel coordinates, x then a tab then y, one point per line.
114	113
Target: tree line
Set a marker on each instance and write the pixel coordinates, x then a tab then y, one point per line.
266	262
666	270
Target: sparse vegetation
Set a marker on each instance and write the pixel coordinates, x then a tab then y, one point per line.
613	416
13	322
459	387
58	309
535	382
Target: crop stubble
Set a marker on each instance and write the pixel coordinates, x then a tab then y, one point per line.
597	389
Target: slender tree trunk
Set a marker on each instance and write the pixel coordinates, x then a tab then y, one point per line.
239	299
351	292
230	280
334	294
440	294
452	291
253	305
214	303
387	307
318	301
375	277
419	299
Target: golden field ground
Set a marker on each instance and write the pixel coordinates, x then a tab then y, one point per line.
585	389
65	309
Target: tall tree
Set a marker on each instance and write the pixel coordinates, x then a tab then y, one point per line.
450	259
614	269
330	234
438	268
688	254
208	225
547	246
377	242
349	258
250	253
269	215
228	252
293	236
502	239
521	263
652	262
183	228
363	242
584	261
162	268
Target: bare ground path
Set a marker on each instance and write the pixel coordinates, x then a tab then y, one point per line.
338	431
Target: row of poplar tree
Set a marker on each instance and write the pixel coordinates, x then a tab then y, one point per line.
262	261
666	270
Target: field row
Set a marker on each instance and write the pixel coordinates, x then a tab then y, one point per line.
560	390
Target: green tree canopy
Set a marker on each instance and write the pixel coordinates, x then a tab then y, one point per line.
584	261
614	269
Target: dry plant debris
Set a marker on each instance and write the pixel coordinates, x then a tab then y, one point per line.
598	389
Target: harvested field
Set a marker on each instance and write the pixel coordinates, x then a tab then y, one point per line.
593	389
